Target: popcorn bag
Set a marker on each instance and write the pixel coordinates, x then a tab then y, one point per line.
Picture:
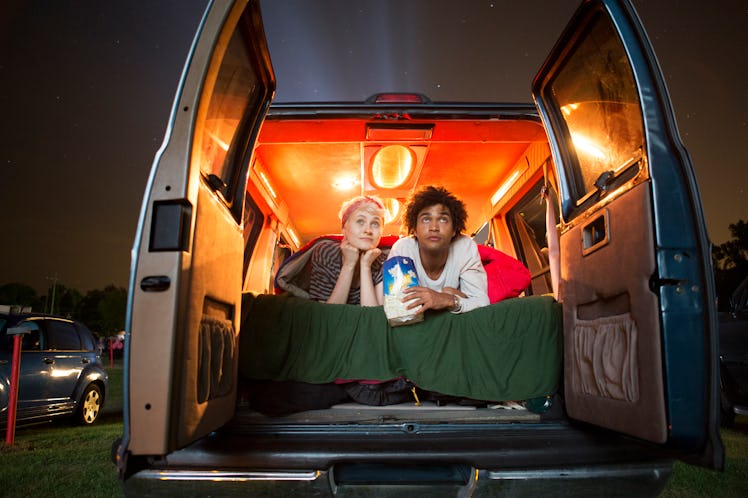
399	274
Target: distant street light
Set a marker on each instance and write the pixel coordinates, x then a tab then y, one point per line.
54	287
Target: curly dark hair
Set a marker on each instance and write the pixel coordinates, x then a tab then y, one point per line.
430	196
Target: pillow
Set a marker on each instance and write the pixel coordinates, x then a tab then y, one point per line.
507	276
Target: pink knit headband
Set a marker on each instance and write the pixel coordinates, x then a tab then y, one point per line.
349	207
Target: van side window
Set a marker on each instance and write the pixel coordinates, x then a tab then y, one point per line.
527	222
253	221
280	254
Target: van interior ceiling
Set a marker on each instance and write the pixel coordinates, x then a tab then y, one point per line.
291	155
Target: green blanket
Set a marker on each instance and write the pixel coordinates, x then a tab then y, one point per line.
510	350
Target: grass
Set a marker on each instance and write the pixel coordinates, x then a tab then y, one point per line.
54	460
689	481
57	460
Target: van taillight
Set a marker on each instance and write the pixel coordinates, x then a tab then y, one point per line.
170	225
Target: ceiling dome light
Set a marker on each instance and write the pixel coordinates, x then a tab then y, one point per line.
345	183
391	166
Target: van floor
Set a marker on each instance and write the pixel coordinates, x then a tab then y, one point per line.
426	411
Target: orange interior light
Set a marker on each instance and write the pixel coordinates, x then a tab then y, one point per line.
267	185
391	166
346	183
391	209
293	235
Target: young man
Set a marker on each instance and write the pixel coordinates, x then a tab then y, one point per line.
450	272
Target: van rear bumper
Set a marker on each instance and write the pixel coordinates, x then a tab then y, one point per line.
641	480
410	459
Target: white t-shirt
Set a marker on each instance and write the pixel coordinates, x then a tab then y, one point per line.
463	270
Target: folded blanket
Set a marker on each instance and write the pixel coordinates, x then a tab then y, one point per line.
506	351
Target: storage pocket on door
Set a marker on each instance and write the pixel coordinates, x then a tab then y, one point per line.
605	358
216	348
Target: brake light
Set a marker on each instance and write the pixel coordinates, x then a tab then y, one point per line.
399	98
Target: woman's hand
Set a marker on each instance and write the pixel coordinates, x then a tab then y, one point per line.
350	254
368	257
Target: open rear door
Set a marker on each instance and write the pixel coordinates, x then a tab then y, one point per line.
186	278
636	280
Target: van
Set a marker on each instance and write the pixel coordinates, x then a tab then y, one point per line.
594	393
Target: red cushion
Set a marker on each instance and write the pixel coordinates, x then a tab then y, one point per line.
507	276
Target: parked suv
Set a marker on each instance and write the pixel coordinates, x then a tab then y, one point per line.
61	374
733	349
607	385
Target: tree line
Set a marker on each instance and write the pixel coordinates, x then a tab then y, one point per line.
102	310
730	261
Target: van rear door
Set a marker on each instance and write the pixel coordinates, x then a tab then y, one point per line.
636	279
186	278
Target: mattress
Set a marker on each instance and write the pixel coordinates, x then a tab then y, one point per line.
510	350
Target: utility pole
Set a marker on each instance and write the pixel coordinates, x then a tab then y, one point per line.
54	280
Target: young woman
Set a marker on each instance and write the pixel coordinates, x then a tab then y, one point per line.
345	272
351	271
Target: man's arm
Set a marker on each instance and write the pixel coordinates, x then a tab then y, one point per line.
473	280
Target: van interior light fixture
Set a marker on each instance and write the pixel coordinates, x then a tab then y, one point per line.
293	235
509	183
267	184
345	183
589	146
391	209
399	132
391	166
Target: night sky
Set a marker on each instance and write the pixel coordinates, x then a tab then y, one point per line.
86	89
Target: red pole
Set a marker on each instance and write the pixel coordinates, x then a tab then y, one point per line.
15	369
111	353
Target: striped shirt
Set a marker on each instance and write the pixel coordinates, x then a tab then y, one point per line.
327	261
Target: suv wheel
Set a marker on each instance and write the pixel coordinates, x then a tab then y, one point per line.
89	406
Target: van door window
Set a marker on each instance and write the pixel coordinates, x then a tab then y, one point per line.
600	114
220	149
